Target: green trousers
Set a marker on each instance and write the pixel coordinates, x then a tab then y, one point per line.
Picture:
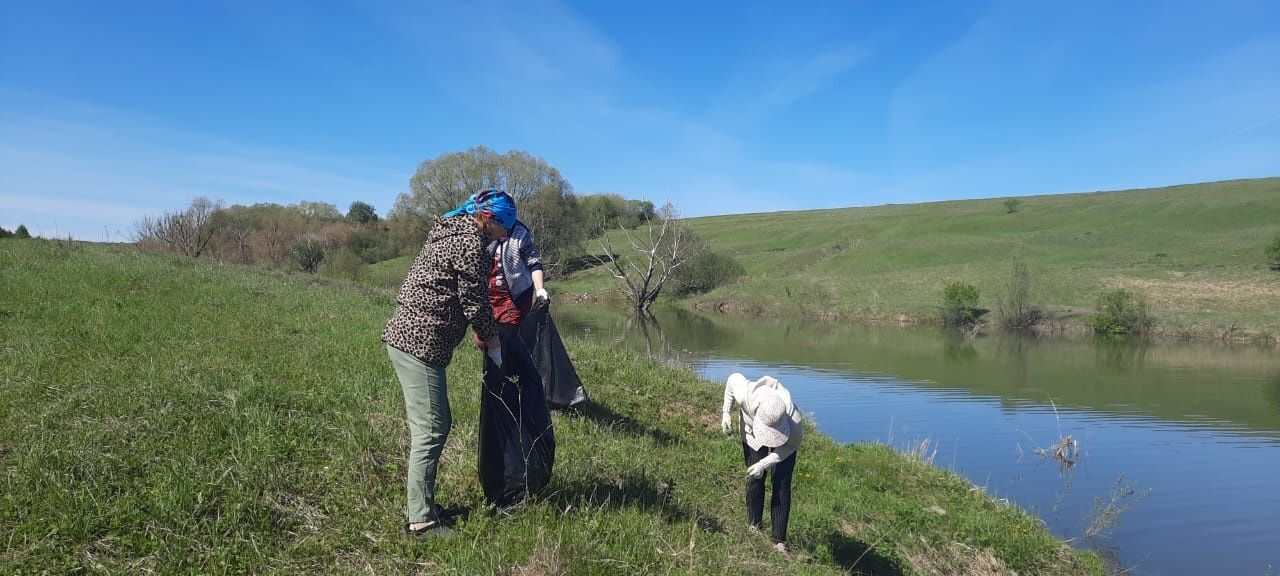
426	404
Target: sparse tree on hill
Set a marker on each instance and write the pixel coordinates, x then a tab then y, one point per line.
1012	205
188	232
21	232
657	250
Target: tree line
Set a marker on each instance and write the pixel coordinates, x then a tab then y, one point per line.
301	235
316	237
19	232
307	234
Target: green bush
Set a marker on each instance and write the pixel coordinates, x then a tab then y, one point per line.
343	263
21	232
960	305
5	233
373	245
1273	253
704	273
1121	312
1011	205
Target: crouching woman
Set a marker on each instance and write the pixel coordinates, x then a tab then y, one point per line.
771	431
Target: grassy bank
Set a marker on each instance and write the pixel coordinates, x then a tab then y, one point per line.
1196	253
165	415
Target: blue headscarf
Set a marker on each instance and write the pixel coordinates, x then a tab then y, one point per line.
491	203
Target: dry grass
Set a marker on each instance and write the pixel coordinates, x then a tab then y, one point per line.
1181	292
544	560
922	451
1106	513
955	558
1066	452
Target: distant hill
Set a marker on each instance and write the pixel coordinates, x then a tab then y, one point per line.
1196	251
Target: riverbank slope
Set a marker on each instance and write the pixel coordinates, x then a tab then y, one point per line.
163	414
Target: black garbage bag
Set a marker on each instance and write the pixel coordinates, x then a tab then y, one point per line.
559	379
517	442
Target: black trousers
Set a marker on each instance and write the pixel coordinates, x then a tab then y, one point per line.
779	502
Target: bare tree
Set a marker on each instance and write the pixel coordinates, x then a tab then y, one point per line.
240	232
188	232
658	249
279	229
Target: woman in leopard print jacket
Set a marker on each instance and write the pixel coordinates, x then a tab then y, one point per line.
445	290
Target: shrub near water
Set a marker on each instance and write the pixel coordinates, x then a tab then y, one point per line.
960	305
706	272
160	414
1121	312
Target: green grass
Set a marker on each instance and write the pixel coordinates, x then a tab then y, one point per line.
389	273
167	415
1196	252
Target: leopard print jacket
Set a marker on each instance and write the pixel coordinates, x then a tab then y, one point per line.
447	288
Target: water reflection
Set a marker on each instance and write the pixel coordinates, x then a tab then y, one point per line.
1196	384
958	349
1121	355
1273	391
1012	350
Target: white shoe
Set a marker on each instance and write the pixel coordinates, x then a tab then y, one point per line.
781	547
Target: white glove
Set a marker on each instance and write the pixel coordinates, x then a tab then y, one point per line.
495	354
541	294
726	423
757	470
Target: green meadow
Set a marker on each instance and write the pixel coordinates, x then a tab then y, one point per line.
1195	252
167	415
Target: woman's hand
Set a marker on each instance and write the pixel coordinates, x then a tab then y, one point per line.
757	470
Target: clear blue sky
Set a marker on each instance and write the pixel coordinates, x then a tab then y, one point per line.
111	110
